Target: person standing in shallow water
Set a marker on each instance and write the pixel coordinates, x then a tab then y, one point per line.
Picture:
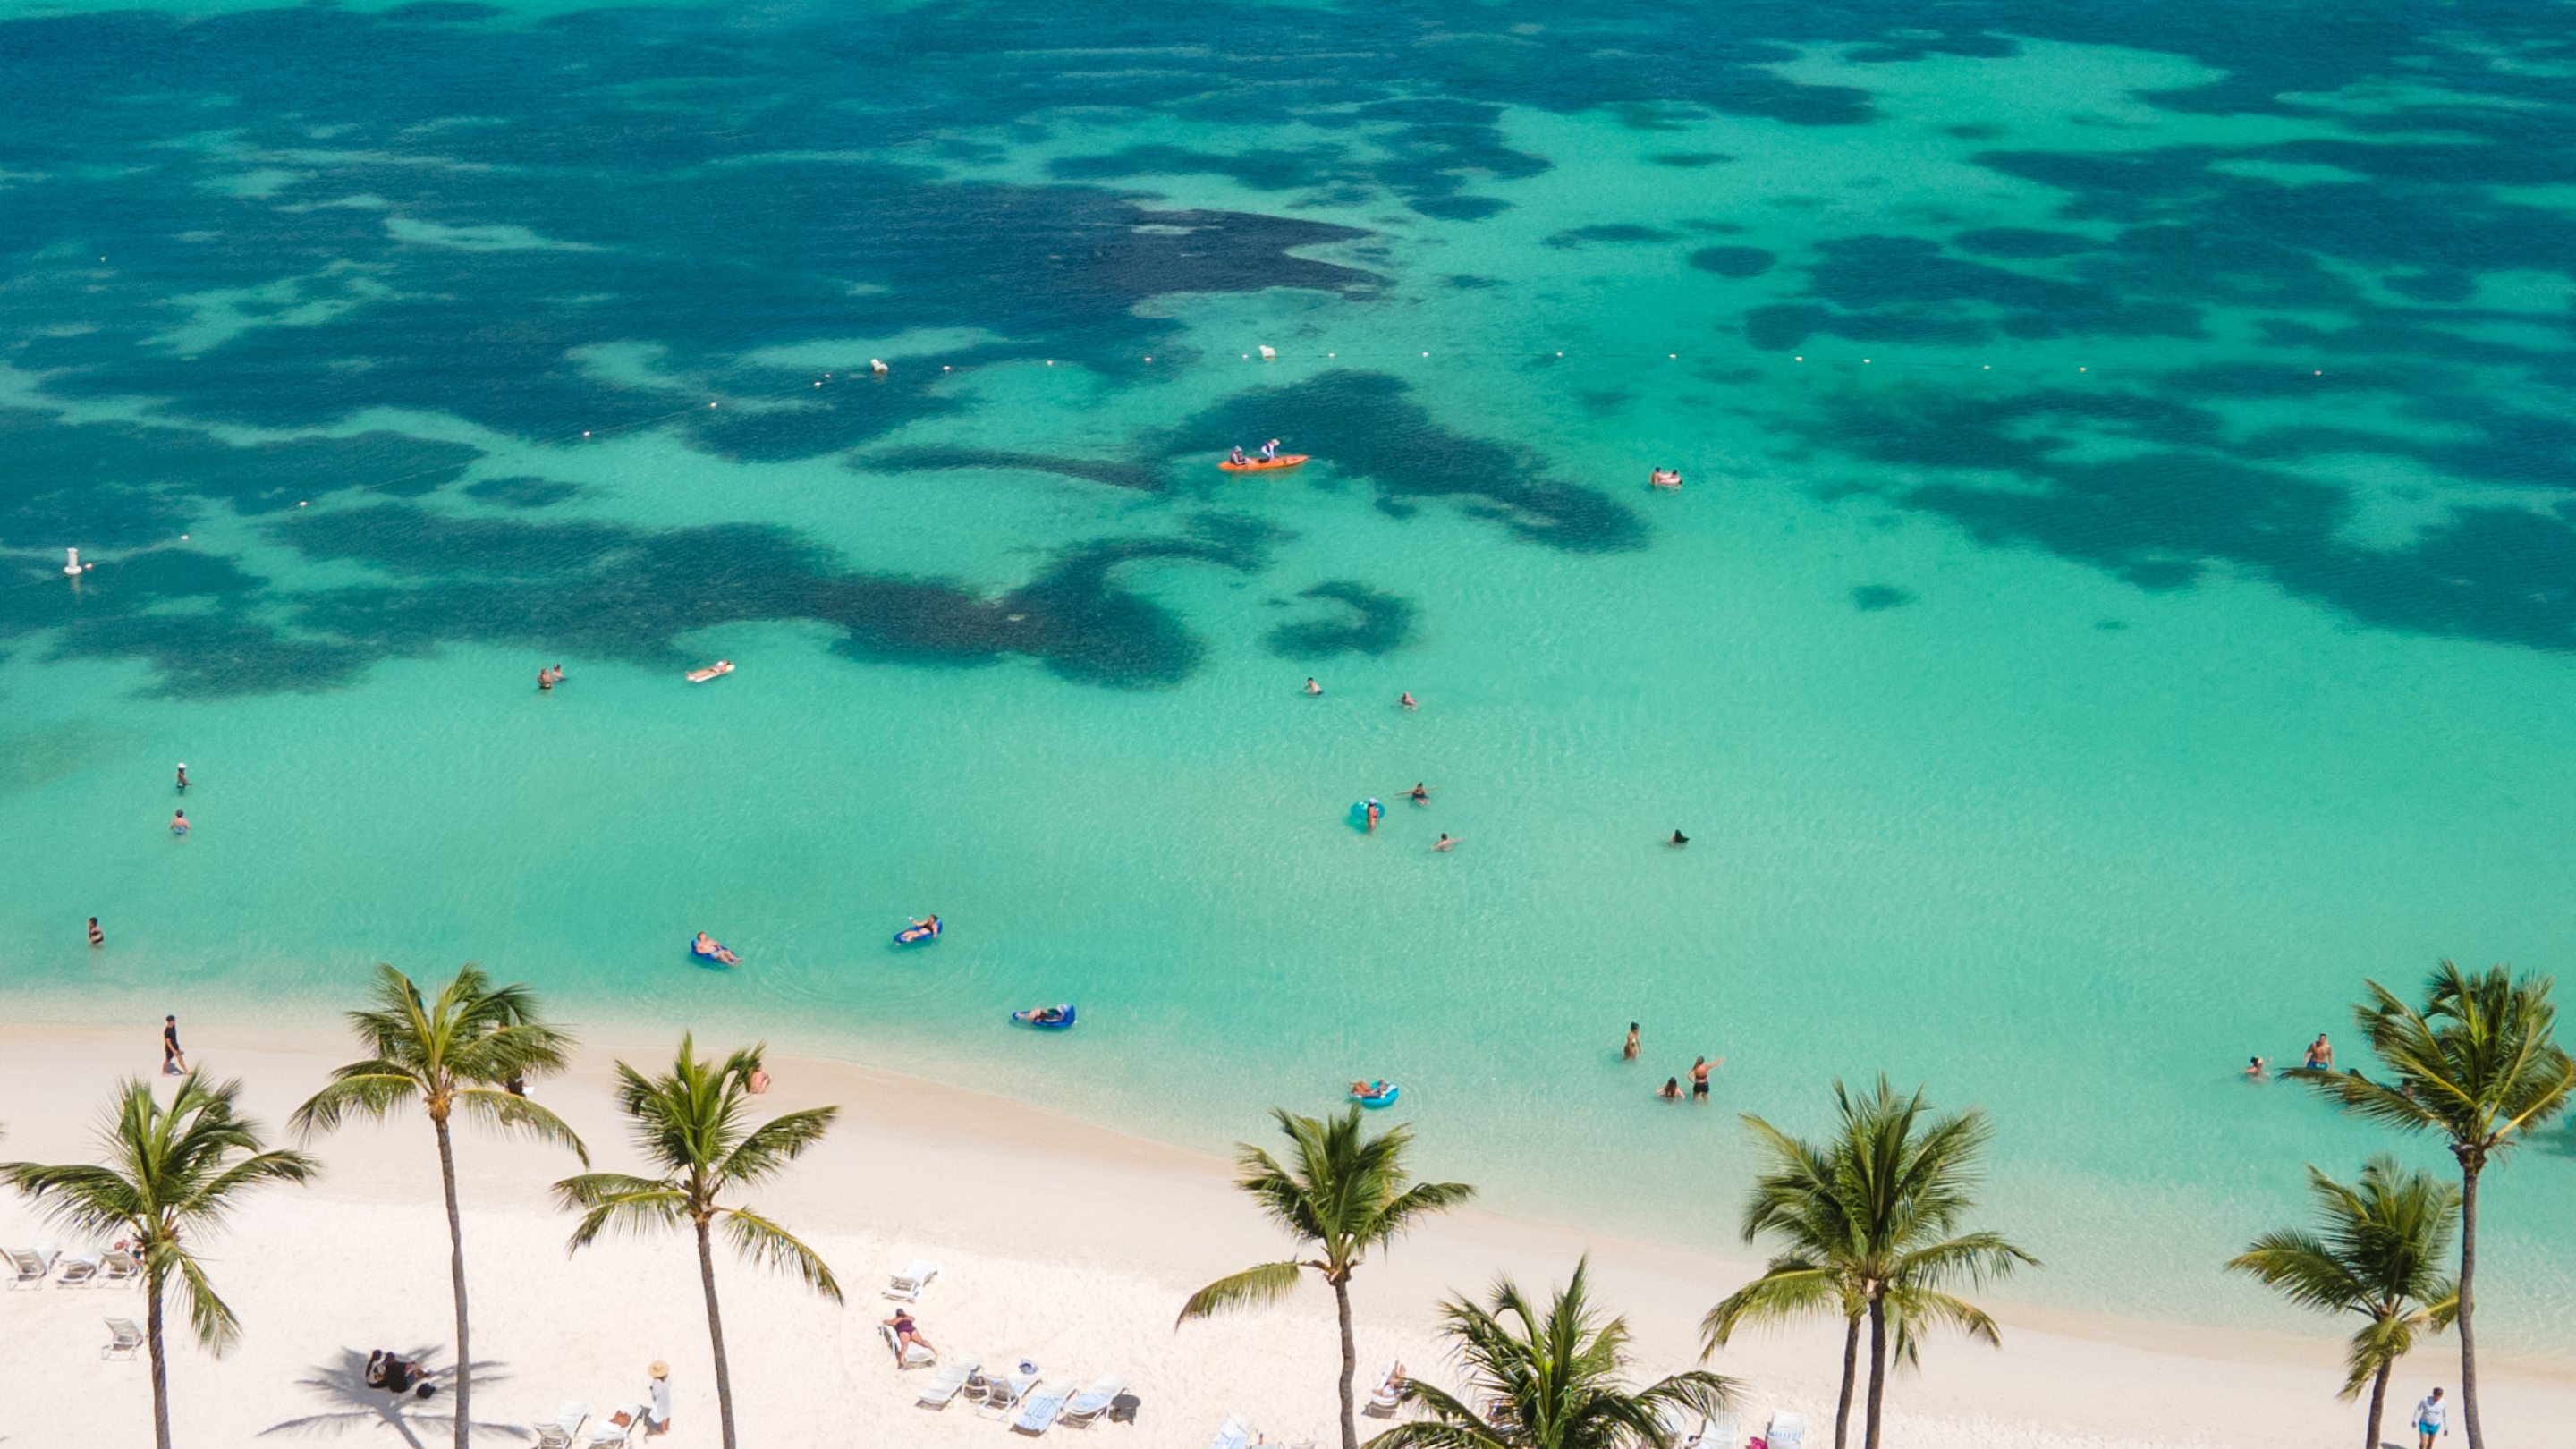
97	937
1312	687
179	822
183	777
1628	1053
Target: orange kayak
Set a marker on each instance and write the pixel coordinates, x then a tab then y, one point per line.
1263	465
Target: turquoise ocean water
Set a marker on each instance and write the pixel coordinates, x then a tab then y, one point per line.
2123	593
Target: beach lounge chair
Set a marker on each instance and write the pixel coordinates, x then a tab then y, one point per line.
1685	1426
1003	1391
558	1432
1389	1395
27	1266
80	1270
1232	1434
123	1339
1040	1407
906	1355
907	1285
118	1268
605	1430
1787	1431
951	1378
1084	1409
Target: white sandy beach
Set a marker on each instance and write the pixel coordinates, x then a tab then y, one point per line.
1058	1242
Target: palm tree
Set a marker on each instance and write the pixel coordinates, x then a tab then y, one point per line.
1550	1382
689	1121
1870	1222
462	1051
2380	1255
172	1175
1345	1195
2476	1064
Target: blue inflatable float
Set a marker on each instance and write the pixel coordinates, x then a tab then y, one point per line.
1378	1094
918	932
1046	1018
708	948
1360	812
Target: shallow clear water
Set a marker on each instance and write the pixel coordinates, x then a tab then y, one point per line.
2123	593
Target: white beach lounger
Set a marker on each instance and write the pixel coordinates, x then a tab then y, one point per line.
606	1430
123	1339
1004	1391
118	1268
1686	1426
80	1270
27	1266
1084	1409
1039	1408
1787	1431
1388	1396
1232	1434
907	1285
558	1433
906	1355
952	1376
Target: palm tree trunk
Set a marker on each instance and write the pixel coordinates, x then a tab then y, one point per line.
456	1278
1877	1368
2378	1401
160	1365
1350	1364
715	1332
2466	1322
1851	1376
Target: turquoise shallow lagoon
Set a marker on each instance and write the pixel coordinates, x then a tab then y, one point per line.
2123	592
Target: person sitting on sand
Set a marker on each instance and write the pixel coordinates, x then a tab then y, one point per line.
1445	841
1628	1053
2254	1070
2320	1054
1671	1091
905	1334
395	1374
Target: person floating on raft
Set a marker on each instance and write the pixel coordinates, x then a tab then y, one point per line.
1374	1094
709	948
1054	1018
1664	478
925	929
719	668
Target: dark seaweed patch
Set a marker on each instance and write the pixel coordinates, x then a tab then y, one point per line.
522	491
1691	159
1607	232
1373	624
1874	598
1116	473
1737	262
1364	426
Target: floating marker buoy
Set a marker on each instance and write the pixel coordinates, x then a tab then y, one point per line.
877	366
1268	352
1050	362
944	367
71	562
585	432
1801	359
1426	354
302	502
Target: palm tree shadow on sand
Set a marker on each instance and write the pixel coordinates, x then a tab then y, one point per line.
350	1406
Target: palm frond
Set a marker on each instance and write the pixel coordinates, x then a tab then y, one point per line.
510	1112
768	1148
1267	1283
1790	1287
372	1088
768	1245
208	1314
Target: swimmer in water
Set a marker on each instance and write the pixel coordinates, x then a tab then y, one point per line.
545	680
1312	687
179	823
97	937
1406	700
1445	841
1628	1053
1671	1091
2320	1054
2254	1069
1420	794
1376	812
1678	840
183	774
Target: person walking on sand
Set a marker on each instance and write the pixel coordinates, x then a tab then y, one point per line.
2432	1417
1628	1053
174	1062
97	937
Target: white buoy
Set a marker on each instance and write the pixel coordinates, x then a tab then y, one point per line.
877	367
71	562
1268	352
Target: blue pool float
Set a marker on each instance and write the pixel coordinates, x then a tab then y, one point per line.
1360	810
914	935
708	948
1384	1097
1046	1018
